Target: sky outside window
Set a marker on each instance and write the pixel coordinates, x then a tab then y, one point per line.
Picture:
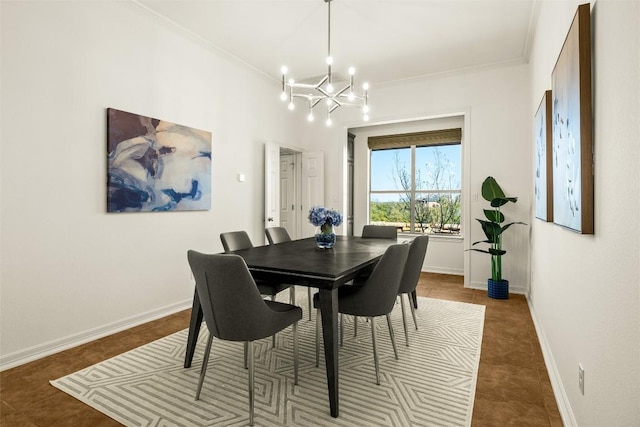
383	167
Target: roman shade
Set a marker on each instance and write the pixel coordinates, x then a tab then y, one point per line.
419	139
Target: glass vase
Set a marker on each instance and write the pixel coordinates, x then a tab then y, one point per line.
325	236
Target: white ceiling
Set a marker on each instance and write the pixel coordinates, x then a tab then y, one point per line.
385	40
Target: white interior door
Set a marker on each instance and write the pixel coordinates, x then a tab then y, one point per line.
312	183
271	185
288	190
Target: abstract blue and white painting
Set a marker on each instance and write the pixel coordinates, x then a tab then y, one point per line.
566	135
572	129
155	165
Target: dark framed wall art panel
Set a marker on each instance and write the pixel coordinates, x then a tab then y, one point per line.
572	128
543	156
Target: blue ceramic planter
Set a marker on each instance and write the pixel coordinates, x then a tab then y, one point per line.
498	289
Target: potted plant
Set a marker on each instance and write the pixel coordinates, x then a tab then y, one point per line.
497	287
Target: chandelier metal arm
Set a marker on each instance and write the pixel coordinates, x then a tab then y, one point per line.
324	90
343	90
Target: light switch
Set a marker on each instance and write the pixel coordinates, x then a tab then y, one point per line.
241	177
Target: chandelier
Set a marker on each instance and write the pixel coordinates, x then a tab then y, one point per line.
324	90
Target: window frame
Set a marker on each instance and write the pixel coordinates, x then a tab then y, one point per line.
393	144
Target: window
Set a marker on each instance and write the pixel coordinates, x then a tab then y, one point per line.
415	182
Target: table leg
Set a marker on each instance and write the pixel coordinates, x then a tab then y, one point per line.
194	329
329	311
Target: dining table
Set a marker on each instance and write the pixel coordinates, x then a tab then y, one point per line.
301	262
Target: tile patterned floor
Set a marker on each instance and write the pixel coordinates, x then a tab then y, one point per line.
513	385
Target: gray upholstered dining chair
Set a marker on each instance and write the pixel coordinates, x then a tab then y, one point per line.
380	231
233	310
410	277
372	297
237	240
375	232
277	235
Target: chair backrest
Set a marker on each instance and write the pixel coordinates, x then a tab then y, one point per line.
413	267
380	231
235	240
379	292
231	304
277	235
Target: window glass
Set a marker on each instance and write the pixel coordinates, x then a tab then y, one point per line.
421	199
384	164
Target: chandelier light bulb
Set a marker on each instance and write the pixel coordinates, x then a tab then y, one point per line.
323	90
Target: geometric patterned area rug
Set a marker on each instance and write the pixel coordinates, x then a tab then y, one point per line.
432	383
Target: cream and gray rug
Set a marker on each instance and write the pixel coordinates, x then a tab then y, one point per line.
433	383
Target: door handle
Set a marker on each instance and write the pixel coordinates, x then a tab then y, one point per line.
270	219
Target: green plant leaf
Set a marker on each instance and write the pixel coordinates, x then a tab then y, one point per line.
494	215
491	190
502	201
509	225
491	229
497	252
481	241
479	250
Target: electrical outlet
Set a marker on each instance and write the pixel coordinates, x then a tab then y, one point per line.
581	378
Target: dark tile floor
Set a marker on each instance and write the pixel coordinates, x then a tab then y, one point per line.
513	387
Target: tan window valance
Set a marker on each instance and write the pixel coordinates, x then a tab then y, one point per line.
419	139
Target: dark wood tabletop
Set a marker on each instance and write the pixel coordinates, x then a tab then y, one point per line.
301	262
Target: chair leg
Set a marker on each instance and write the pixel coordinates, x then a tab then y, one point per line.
317	338
355	326
393	338
251	378
205	362
341	329
375	351
292	295
273	338
295	353
245	355
413	312
404	319
310	302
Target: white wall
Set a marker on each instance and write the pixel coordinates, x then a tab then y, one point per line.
495	103
69	270
585	290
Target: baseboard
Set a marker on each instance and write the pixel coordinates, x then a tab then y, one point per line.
562	400
440	270
37	352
